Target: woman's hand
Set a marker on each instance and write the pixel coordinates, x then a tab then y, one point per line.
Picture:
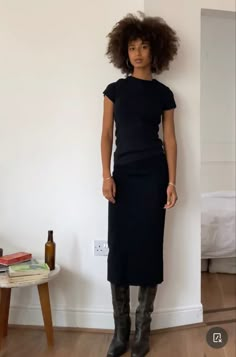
109	189
171	196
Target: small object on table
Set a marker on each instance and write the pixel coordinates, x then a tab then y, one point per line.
50	251
32	267
3	268
27	272
15	258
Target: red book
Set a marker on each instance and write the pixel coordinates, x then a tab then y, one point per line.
15	258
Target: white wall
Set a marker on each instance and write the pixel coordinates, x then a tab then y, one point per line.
52	73
217	100
53	70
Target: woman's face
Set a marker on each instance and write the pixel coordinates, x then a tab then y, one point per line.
139	52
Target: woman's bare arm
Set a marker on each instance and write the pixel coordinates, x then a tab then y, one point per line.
107	136
170	144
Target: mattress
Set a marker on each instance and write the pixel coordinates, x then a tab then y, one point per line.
218	224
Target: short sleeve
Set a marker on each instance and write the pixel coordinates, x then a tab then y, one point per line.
168	100
110	91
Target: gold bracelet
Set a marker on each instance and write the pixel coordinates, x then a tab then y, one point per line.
107	178
172	184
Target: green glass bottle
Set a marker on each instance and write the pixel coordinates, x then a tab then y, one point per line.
50	251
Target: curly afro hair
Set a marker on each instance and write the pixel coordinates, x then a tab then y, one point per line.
162	39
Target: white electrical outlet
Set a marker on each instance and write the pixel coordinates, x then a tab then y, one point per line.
100	247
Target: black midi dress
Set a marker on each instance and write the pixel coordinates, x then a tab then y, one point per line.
136	221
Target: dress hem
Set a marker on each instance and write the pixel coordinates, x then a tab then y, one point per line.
132	283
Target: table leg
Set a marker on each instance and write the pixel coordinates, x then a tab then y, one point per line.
46	311
5	297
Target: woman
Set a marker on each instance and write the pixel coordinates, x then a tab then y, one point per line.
142	184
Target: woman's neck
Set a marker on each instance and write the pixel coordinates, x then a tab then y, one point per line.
142	74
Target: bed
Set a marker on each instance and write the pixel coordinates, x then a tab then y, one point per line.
218	243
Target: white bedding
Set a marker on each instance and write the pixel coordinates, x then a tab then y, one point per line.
218	224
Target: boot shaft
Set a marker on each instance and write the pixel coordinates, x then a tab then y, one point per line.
144	310
120	300
146	298
143	319
121	310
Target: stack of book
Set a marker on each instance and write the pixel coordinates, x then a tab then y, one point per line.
28	271
18	257
6	260
21	267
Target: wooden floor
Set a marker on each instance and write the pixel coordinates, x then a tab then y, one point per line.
218	298
218	291
189	342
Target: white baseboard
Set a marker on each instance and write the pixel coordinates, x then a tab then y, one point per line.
103	319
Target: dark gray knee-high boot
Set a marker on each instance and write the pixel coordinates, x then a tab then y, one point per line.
121	313
146	299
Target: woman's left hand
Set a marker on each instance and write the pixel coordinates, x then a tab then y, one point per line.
171	196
